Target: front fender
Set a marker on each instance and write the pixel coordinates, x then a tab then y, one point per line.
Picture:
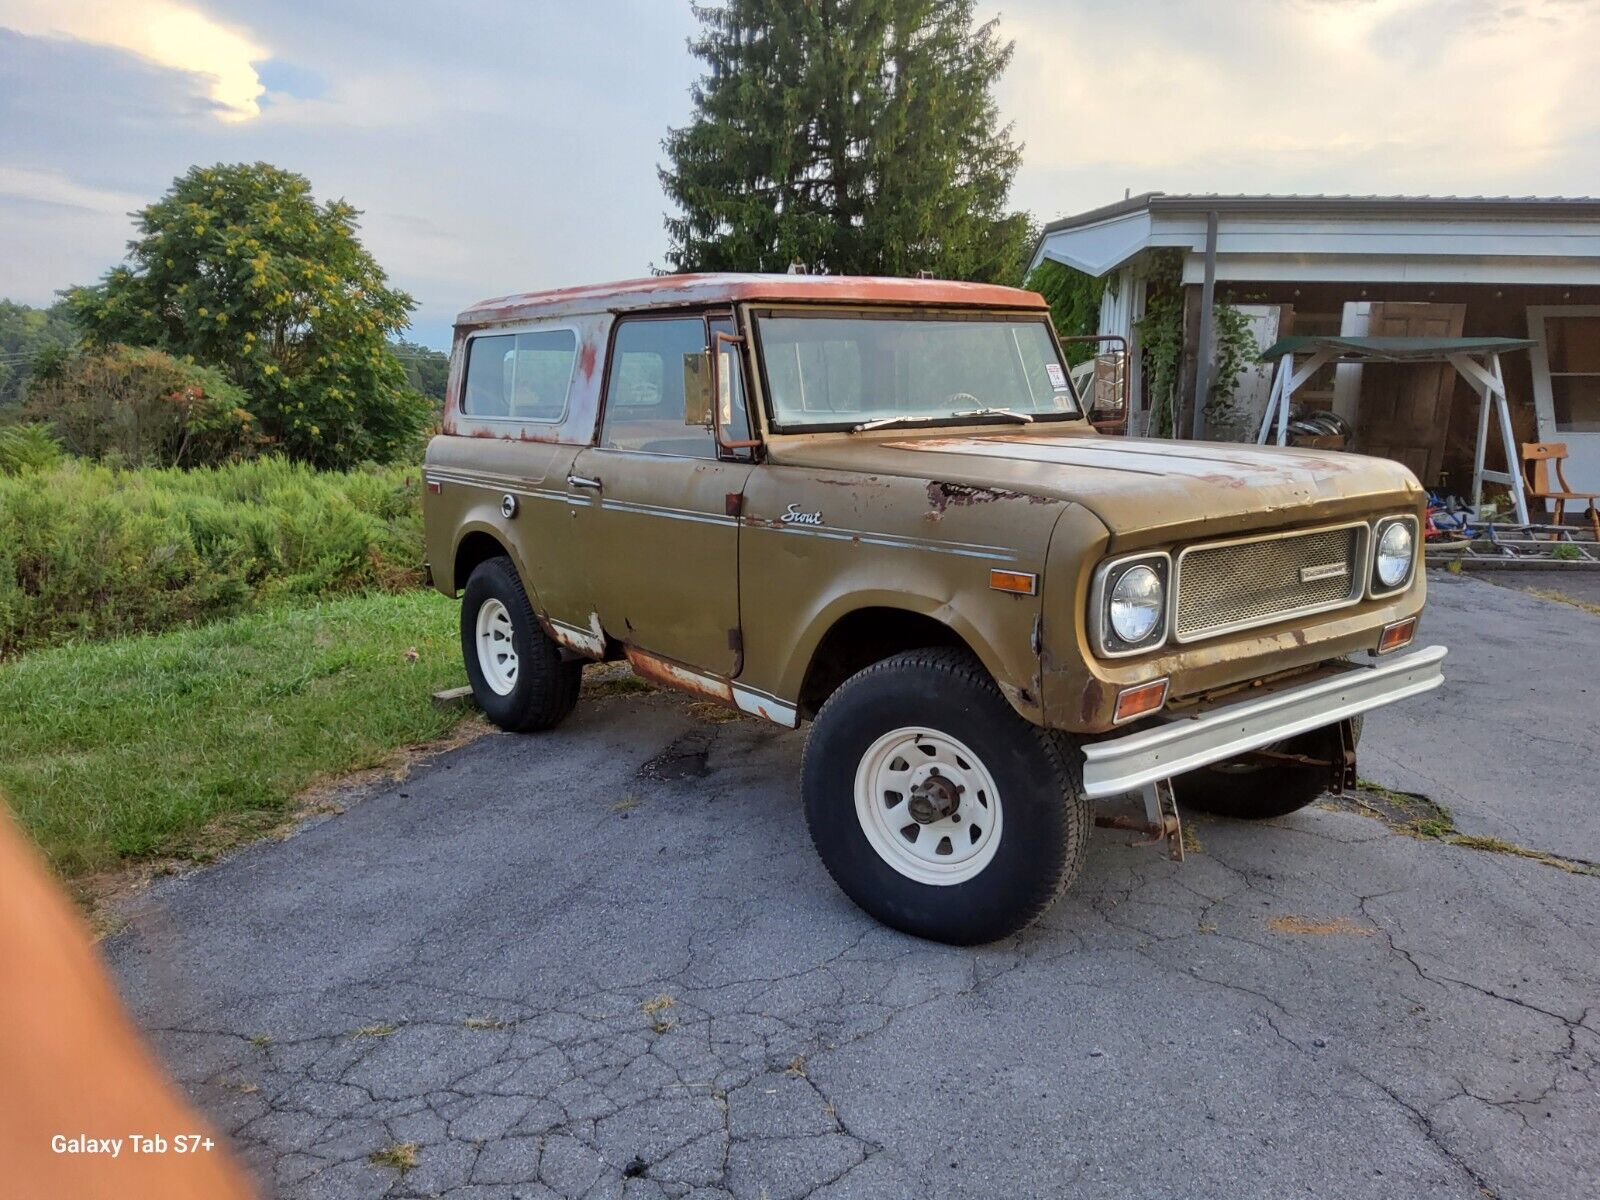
999	632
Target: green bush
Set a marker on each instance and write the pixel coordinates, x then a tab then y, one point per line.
27	448
91	551
139	407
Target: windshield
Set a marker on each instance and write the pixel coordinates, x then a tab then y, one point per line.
844	372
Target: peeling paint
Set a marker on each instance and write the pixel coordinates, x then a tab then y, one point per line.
667	291
1094	707
942	496
675	675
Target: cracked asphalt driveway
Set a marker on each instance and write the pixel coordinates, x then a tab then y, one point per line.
535	969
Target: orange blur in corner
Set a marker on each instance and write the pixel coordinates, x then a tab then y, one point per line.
73	1066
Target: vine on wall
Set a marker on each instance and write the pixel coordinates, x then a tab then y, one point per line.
1161	338
1161	342
1236	351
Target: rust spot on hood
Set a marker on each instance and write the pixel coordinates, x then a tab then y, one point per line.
943	495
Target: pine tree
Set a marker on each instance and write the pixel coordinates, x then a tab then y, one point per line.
854	136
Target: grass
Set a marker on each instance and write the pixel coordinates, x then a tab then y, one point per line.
402	1157
1562	598
655	1010
1417	816
90	552
183	743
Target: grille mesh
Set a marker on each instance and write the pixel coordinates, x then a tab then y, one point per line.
1251	583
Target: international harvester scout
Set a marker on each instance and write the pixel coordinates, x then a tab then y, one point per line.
876	505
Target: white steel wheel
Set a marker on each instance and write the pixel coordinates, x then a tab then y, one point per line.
928	806
497	652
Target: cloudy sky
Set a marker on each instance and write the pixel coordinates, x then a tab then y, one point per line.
513	144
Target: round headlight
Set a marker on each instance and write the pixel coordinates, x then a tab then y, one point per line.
1136	604
1395	549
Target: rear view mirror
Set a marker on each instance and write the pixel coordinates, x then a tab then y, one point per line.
697	389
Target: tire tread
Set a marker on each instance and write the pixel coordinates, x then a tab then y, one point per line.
553	682
1060	751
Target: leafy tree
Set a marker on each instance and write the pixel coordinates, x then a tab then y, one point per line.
135	406
1074	299
855	136
427	370
25	334
240	268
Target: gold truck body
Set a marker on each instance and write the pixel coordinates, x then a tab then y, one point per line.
765	562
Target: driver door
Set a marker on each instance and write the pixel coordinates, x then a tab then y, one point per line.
656	502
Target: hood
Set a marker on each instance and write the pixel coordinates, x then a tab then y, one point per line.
1145	490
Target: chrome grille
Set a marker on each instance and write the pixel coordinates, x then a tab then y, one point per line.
1234	585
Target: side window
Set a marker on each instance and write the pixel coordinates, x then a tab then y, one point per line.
733	411
522	376
490	364
644	395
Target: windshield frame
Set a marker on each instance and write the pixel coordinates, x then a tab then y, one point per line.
994	316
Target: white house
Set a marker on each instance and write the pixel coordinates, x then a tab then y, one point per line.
1396	265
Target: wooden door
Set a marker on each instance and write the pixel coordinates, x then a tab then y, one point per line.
1405	407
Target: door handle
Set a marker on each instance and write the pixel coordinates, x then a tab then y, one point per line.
583	481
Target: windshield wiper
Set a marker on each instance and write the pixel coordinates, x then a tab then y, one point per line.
886	422
936	418
1024	418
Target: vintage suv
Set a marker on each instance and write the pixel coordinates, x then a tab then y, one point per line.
876	505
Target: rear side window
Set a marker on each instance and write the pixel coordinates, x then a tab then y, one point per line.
520	377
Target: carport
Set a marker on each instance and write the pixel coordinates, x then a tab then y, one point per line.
1476	359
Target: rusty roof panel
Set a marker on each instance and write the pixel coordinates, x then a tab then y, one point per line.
670	291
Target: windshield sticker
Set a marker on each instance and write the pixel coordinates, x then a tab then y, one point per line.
1058	377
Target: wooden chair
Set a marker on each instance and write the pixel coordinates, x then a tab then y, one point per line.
1542	455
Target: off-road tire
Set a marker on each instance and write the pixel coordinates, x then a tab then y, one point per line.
1045	822
546	686
1260	793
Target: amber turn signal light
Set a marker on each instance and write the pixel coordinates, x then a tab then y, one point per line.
1140	699
1397	635
1019	582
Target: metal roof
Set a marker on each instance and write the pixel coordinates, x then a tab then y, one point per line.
1393	349
1554	207
671	291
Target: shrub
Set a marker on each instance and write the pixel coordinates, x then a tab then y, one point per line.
91	551
241	268
27	448
140	407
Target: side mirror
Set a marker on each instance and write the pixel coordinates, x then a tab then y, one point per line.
697	389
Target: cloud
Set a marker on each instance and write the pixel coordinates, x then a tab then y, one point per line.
52	189
515	145
172	34
1320	95
57	231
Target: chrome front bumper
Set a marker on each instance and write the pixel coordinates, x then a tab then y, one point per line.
1230	728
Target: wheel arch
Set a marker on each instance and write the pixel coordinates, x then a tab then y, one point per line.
477	542
844	641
